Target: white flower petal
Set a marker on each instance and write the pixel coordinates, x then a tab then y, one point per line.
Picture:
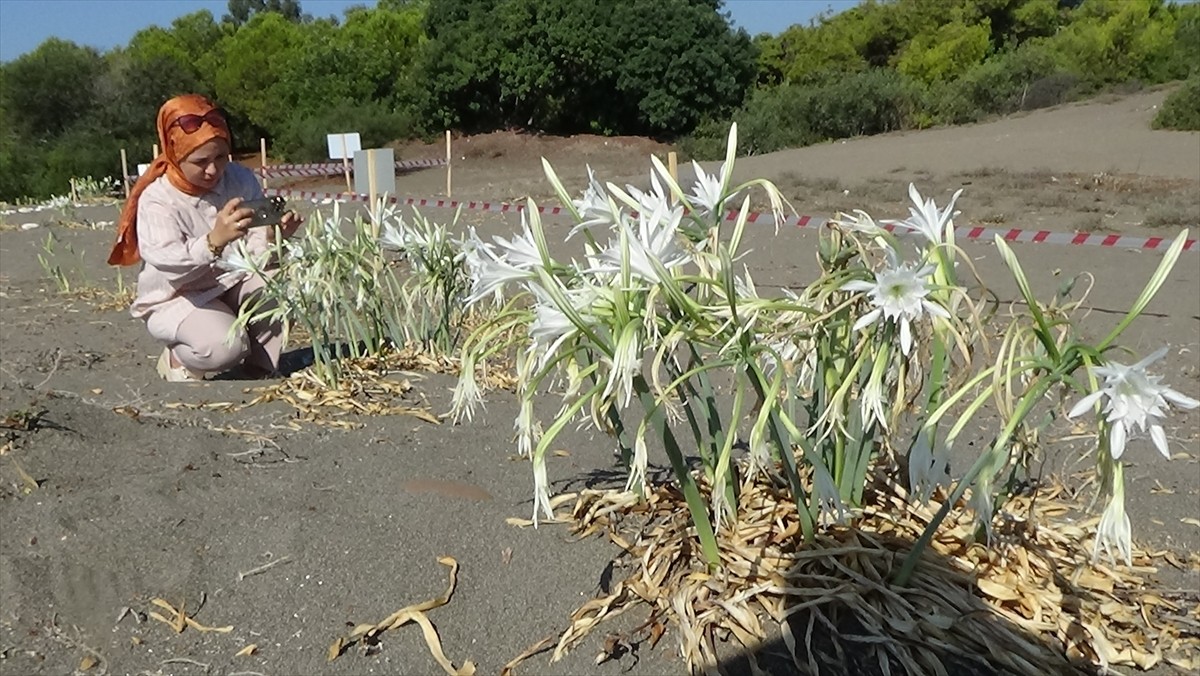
1084	404
866	319
858	285
1153	357
1116	440
1160	440
1179	399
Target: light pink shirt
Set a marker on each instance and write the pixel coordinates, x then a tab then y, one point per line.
179	273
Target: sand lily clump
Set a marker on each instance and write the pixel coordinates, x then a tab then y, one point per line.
338	282
655	332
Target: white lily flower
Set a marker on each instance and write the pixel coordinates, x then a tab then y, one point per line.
491	270
926	219
655	239
760	453
926	465
594	207
784	352
653	200
899	295
394	238
239	263
294	252
466	392
826	495
1136	400
706	193
541	492
551	325
1114	530
871	405
639	463
527	428
625	364
860	222
520	251
981	502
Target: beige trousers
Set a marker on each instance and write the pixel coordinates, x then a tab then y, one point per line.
203	340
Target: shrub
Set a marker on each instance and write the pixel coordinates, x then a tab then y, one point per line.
303	138
1024	78
789	116
1050	91
872	102
1181	109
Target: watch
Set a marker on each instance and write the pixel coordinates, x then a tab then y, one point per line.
212	248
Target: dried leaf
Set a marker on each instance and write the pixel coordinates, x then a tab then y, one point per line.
247	651
335	650
28	483
1191	521
88	662
181	621
1160	489
413	613
997	591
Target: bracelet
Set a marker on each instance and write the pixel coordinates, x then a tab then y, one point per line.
212	248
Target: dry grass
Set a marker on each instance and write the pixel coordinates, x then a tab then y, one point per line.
1032	603
1092	222
1175	212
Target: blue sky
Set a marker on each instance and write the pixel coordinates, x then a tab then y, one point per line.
105	24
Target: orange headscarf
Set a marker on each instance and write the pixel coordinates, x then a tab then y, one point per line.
175	145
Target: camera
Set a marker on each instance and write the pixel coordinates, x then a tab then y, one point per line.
267	211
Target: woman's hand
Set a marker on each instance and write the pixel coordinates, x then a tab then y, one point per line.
231	224
289	224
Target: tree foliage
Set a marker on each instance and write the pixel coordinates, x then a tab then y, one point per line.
240	11
669	68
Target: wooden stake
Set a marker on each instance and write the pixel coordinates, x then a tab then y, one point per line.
155	155
125	172
448	165
74	194
371	177
346	166
262	161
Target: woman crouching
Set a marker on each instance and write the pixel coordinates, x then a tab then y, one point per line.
181	216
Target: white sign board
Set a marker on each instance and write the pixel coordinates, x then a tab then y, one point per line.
342	146
378	164
142	169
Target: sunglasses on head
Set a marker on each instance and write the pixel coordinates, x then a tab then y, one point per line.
191	123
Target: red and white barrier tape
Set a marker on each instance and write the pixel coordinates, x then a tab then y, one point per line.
334	168
962	233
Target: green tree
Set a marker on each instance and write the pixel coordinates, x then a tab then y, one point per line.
1187	40
628	66
457	67
241	11
158	63
52	87
249	65
682	62
1112	41
945	53
557	68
